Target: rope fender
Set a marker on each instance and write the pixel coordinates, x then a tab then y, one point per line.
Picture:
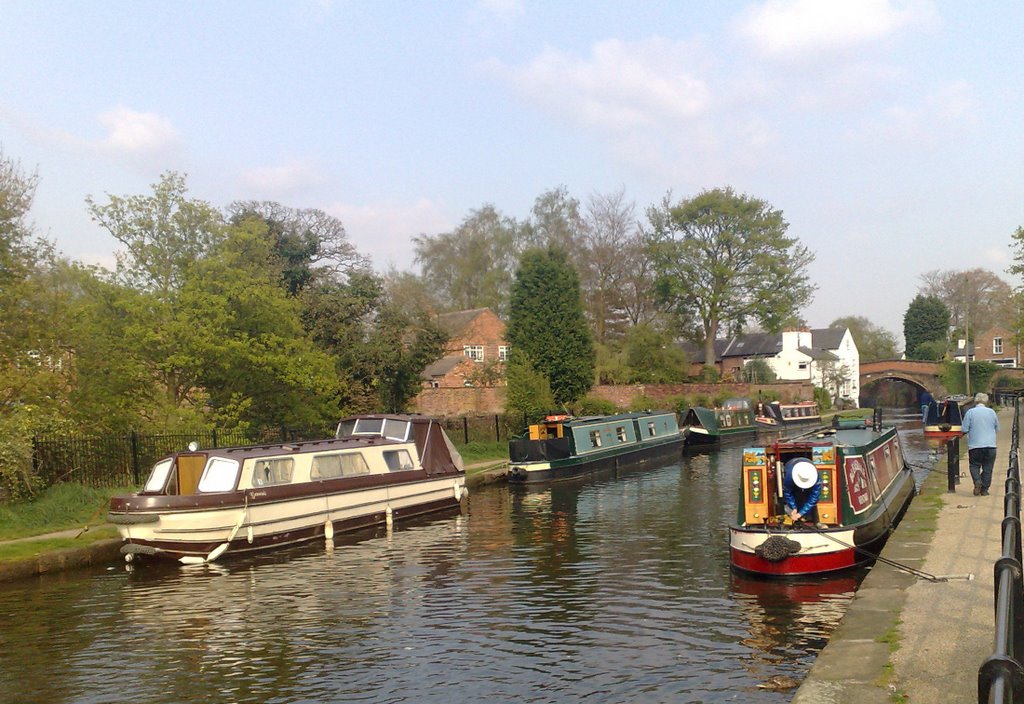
777	548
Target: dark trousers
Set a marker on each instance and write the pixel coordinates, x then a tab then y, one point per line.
982	460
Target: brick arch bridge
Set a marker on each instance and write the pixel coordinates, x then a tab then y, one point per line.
923	375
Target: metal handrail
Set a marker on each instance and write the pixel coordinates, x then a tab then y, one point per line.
1001	676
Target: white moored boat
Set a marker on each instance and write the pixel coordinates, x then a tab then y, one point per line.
200	504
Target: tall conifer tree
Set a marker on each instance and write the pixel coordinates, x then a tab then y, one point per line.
547	324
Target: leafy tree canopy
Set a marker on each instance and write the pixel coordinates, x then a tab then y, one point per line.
471	266
873	342
926	320
546	323
977	299
722	259
310	244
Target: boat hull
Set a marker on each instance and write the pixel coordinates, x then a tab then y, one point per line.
826	550
254	520
567	468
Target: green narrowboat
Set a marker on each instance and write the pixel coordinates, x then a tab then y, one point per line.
562	447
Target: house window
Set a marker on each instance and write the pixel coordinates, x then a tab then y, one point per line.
503	353
997	345
802	366
474	352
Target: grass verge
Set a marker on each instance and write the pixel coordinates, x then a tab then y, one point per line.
30	548
61	507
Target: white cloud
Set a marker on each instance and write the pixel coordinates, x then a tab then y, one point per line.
134	133
384	231
620	86
944	114
282	179
802	28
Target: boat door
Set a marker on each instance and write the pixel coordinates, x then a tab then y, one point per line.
190	469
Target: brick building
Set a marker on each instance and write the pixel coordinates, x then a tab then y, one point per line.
993	345
476	351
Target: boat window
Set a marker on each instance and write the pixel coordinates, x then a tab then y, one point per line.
220	475
620	433
276	471
398	460
650	429
346	428
595	438
396	429
158	477
346	464
368	426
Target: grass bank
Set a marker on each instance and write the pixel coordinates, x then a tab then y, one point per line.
61	507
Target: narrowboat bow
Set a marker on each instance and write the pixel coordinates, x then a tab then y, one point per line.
199	504
862	488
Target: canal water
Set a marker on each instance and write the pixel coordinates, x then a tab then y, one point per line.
614	588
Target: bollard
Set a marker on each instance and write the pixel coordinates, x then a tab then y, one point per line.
952	463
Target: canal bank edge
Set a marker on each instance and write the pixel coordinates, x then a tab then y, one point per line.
857	664
108	551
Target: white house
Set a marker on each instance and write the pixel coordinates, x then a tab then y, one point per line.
842	376
827	357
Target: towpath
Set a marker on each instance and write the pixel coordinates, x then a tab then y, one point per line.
906	638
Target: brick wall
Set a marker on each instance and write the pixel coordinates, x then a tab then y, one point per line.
473	401
460	401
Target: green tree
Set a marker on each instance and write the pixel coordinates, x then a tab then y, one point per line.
653	357
35	314
722	259
976	298
310	245
528	391
873	342
758	371
926	321
546	323
204	316
555	221
471	266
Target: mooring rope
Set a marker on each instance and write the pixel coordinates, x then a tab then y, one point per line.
892	563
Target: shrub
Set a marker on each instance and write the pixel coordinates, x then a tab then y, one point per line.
594	406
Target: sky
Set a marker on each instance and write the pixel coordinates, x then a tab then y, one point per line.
889	133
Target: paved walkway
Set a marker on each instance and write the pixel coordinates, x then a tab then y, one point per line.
911	637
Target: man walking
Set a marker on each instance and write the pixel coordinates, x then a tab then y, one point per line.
981	425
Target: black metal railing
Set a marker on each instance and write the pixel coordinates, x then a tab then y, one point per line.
1001	676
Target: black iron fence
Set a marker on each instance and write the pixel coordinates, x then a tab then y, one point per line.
1001	676
124	460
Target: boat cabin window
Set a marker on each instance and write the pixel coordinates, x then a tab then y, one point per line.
595	438
220	475
650	430
158	477
274	471
347	464
379	427
398	460
620	433
396	429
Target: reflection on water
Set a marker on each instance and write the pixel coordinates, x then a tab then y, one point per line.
612	589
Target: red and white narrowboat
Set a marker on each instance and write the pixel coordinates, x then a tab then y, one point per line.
864	487
198	505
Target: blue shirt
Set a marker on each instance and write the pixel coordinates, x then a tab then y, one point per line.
981	425
803	500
